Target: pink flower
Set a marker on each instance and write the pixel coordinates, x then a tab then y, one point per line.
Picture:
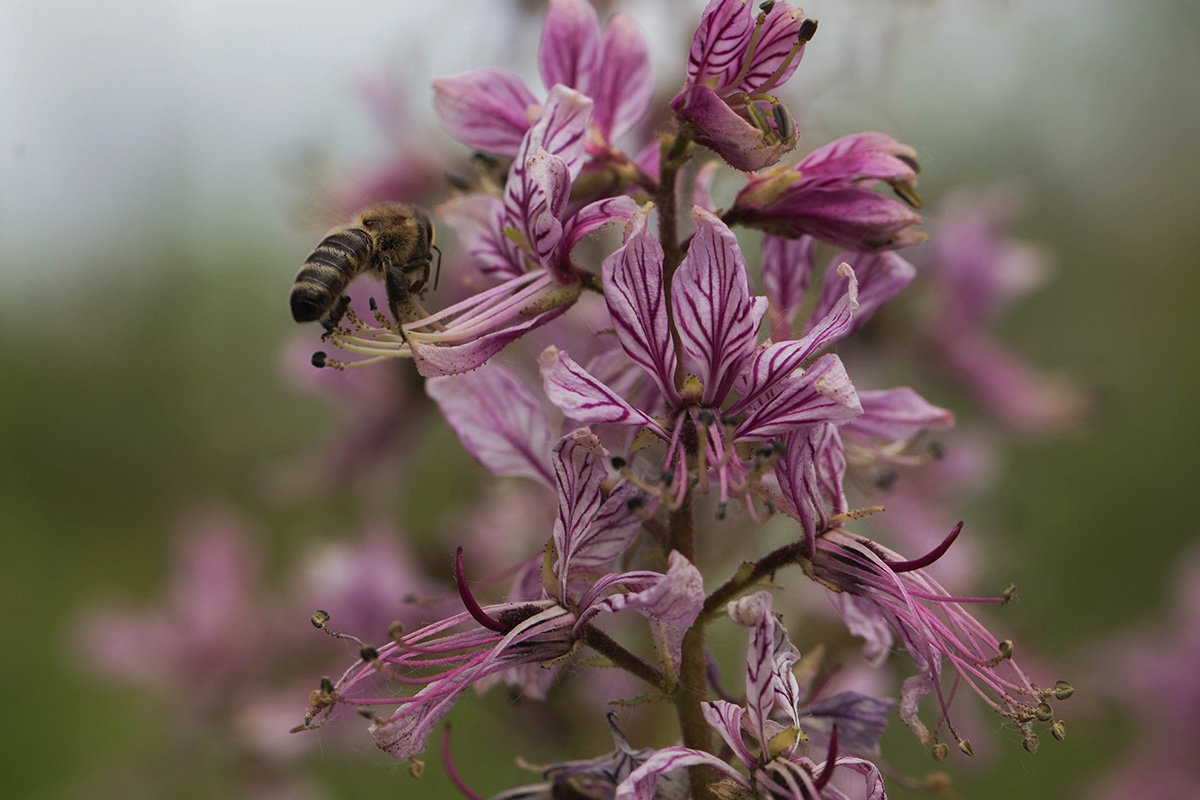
828	195
736	58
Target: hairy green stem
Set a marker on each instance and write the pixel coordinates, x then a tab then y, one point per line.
749	574
606	646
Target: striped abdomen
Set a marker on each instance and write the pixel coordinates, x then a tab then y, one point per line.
328	270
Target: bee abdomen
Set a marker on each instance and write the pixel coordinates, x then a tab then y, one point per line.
327	272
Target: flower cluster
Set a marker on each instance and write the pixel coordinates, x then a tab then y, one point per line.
680	400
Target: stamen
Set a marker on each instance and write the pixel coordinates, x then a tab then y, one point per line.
830	760
451	770
473	608
320	621
929	558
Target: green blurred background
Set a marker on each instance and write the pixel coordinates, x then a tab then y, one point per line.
150	233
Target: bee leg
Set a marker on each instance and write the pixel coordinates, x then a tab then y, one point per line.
395	281
331	320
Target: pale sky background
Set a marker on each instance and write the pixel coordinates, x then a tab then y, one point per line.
120	119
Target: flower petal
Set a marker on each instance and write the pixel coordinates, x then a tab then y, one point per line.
713	311
634	292
810	476
727	719
641	783
432	360
581	397
486	109
773	51
498	420
719	45
570	44
787	265
822	394
621	85
771	687
896	415
730	135
591	218
860	720
479	222
880	277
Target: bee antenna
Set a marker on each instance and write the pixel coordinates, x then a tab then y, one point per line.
437	270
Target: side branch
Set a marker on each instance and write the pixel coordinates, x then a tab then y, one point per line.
608	647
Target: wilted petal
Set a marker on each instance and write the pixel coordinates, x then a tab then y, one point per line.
621	85
896	415
479	221
728	134
880	277
641	784
822	394
851	217
634	292
860	720
570	44
673	601
487	109
581	397
498	420
713	311
771	687
863	619
787	265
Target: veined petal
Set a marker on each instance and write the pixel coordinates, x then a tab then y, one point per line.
822	394
852	217
896	415
730	135
726	719
719	46
479	221
810	476
634	292
774	51
787	265
432	360
673	601
570	44
487	109
579	469
771	687
562	128
880	277
776	362
713	311
591	218
641	783
860	720
860	157
621	84
581	397
498	420
853	779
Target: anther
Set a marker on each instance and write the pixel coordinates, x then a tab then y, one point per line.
318	359
618	462
767	6
965	746
721	509
1059	730
1010	592
940	751
757	118
1030	743
937	449
1044	712
783	120
372	304
1063	690
368	653
808	29
634	503
319	618
706	416
908	193
396	631
886	479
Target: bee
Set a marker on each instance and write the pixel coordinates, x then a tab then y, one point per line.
391	240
